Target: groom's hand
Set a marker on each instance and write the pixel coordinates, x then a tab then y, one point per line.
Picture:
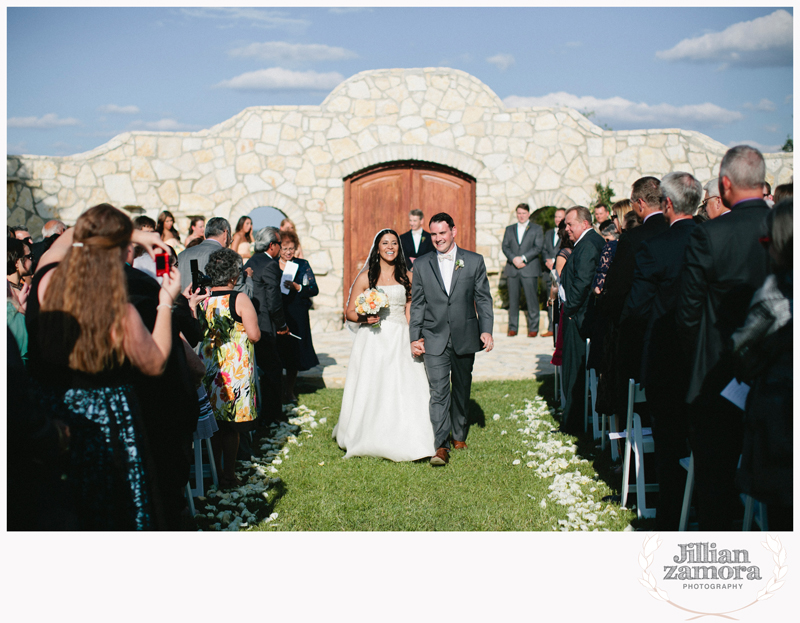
418	347
488	342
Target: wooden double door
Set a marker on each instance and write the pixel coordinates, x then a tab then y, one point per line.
383	196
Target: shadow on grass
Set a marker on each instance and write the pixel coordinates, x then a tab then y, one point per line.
475	414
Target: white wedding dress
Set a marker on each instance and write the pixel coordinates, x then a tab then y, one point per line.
385	410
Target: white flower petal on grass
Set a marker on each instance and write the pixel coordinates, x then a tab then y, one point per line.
502	432
496	416
543	503
516	462
321	464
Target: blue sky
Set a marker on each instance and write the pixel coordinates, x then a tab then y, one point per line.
78	77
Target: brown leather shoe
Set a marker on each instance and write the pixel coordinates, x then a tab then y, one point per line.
533	333
442	457
459	445
512	333
547	334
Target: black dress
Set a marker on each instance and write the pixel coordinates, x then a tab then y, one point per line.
299	354
105	472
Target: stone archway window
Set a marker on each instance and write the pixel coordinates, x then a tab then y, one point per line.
266	216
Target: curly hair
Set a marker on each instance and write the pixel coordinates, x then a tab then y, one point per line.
223	267
290	236
374	264
92	271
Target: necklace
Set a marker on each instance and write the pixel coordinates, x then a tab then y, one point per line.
384	280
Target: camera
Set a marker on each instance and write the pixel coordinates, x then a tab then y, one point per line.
199	280
162	264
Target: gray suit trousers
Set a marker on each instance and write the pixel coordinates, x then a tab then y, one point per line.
531	287
449	412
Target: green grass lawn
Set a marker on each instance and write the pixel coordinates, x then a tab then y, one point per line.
481	489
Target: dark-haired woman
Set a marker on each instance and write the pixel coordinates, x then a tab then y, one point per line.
230	327
296	355
166	229
197	229
385	408
243	237
84	338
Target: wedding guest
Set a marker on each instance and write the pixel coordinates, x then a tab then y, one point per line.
243	237
296	355
618	212
288	225
85	338
557	302
723	266
50	231
601	215
19	267
197	229
763	351
15	320
549	252
712	203
230	328
522	245
577	281
218	236
268	302
631	220
609	232
166	228
652	303
599	321
416	241
784	191
22	233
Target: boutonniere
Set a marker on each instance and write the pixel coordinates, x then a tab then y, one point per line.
421	239
459	264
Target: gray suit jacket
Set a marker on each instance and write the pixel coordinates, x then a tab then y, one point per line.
531	247
465	314
201	253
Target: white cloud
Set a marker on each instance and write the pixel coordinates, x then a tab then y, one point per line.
50	120
762	42
292	52
162	125
631	114
262	18
501	61
772	128
764	105
119	110
764	149
278	78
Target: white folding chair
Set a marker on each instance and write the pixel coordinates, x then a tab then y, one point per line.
201	470
639	442
687	463
753	509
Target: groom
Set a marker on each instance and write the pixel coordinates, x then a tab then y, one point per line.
451	319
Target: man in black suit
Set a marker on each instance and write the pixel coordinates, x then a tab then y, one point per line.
522	245
218	236
552	245
268	301
724	265
576	280
652	302
628	344
416	241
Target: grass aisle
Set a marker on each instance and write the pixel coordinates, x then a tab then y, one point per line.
517	474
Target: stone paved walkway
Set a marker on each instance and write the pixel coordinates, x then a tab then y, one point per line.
513	358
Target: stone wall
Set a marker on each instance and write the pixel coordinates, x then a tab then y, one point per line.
294	158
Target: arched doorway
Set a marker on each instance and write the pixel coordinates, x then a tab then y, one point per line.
382	196
266	216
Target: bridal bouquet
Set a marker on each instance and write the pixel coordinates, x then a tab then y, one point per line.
371	302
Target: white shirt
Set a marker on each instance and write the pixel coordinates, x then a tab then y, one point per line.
585	231
446	267
416	236
521	227
652	214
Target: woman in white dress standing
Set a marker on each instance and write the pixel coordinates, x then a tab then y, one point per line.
385	409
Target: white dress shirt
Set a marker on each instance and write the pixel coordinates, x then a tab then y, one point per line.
447	264
416	236
521	227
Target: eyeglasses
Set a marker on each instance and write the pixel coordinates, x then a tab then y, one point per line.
704	203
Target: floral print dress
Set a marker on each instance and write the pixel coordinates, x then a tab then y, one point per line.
230	362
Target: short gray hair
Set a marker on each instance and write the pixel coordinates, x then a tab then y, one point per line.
744	166
581	212
712	187
217	226
265	237
684	191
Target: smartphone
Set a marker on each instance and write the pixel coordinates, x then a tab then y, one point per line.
162	264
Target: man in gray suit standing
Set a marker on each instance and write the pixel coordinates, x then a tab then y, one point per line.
218	236
522	245
451	319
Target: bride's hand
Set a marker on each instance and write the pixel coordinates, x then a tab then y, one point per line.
373	319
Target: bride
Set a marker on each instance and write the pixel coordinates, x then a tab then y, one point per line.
385	410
